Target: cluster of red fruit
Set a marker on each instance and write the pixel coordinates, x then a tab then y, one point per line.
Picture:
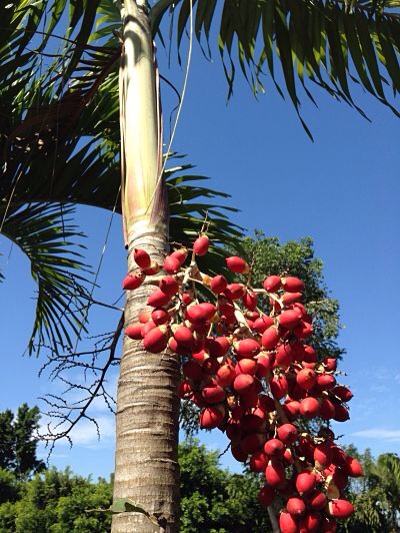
254	377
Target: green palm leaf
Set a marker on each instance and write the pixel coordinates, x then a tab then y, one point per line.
44	233
331	43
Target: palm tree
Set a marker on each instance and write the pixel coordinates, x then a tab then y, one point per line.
60	142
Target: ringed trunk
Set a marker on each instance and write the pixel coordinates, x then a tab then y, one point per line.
146	460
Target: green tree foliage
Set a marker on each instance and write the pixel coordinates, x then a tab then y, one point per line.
56	502
18	442
213	499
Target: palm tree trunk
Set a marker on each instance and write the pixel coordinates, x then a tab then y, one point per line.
146	464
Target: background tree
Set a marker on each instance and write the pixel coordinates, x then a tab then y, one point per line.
19	441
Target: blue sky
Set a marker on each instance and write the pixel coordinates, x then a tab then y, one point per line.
343	190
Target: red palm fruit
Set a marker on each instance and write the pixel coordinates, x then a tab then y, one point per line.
201	245
263	365
340	508
322	455
200	312
353	467
243	383
160	316
343	393
155	341
287	433
251	423
133	280
309	407
303	330
200	356
258	461
185	389
272	283
279	386
187	297
328	525
214	394
326	409
291	409
340	478
341	413
147	327
246	366
247	348
177	348
305	482
262	323
295	506
158	298
142	258
218	346
292	284
306	378
288	457
252	442
330	364
144	316
171	264
283	355
275	473
210	366
249	399
309	355
237	264
169	285
305	449
249	300
183	335
338	456
309	523
289	319
316	500
233	431
326	381
238	453
287	523
327	434
193	370
218	284
266	495
134	331
234	291
266	403
225	375
180	255
274	448
289	298
212	417
270	338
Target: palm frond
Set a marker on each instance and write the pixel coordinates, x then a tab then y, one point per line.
331	43
51	243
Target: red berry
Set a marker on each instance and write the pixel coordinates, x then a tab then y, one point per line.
133	281
158	298
287	523
169	285
270	338
218	284
340	508
306	378
353	467
171	264
309	407
212	417
134	331
292	284
272	283
266	495
295	506
289	319
243	383
201	244
155	341
305	482
247	348
287	433
237	264
275	473
142	258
